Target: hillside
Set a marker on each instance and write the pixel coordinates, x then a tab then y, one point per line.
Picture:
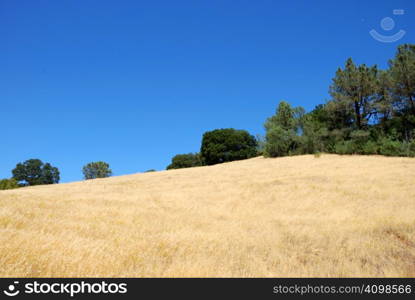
297	216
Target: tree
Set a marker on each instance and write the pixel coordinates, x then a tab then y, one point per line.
6	184
50	174
383	104
185	161
402	72
353	90
402	69
283	129
97	169
279	141
260	140
224	145
315	132
35	172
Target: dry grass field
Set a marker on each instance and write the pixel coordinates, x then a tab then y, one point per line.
303	216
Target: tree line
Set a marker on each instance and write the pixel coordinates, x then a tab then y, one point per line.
371	111
35	172
218	146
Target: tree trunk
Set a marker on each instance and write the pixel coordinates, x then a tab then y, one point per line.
357	112
412	104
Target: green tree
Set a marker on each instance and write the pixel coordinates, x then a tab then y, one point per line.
50	174
279	141
185	161
8	183
354	90
35	172
224	145
97	169
315	133
283	130
402	70
383	104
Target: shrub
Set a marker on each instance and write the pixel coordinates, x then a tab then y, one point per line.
313	141
223	145
185	161
332	138
7	184
344	147
412	148
317	154
358	139
389	147
408	148
370	147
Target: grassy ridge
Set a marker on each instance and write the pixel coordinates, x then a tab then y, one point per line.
292	216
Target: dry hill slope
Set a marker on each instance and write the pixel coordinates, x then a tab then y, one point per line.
292	216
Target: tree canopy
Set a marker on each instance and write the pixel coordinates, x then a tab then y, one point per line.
35	172
224	145
282	129
97	169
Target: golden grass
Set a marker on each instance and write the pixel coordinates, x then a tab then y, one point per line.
333	216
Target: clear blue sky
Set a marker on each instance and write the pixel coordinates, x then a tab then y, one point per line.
133	83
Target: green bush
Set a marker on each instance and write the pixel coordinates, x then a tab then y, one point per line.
385	146
224	145
344	147
7	184
390	147
358	139
408	148
317	154
333	138
412	148
313	141
370	147
185	161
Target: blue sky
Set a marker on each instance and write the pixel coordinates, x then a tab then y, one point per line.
133	83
